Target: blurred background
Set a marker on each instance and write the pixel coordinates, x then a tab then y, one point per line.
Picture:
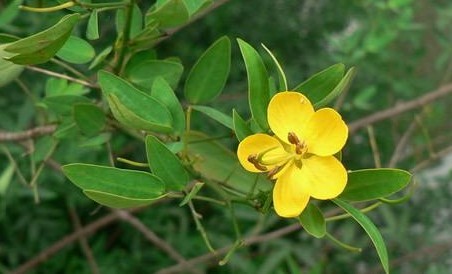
402	50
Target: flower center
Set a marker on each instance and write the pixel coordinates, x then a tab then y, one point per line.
300	146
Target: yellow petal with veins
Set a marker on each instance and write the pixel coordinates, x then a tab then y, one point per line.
289	196
322	177
255	145
287	112
325	133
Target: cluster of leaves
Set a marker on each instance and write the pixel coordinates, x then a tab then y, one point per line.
138	98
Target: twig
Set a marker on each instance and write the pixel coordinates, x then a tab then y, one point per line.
402	144
153	238
84	243
6	136
401	108
432	158
63	76
67	240
216	256
374	146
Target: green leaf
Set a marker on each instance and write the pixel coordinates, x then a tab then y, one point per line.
76	51
100	57
165	165
92	29
208	76
58	86
370	184
318	86
143	74
96	140
40	47
89	118
62	104
171	13
281	74
216	115
193	6
241	127
165	94
312	220
217	163
370	229
343	85
114	187
5	178
9	70
133	107
195	189
258	89
10	12
136	24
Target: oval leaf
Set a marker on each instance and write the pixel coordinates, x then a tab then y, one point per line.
312	220
92	29
89	118
76	51
370	229
217	115
208	76
369	184
123	187
165	164
42	46
171	13
343	85
133	107
322	83
258	89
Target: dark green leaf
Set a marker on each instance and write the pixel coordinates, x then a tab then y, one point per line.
241	128
144	73
136	23
341	87
258	90
5	178
370	229
89	118
318	86
312	220
165	164
281	75
165	94
133	107
62	104
10	12
114	187
369	184
208	76
216	115
40	47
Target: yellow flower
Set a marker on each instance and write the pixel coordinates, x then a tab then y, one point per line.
300	154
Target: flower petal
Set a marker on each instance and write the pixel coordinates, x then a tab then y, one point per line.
253	145
325	133
289	197
325	177
287	112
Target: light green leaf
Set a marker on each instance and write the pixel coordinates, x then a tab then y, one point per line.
96	140
162	92
62	104
312	220
9	70
370	229
92	29
114	187
258	89
208	76
165	165
318	86
40	47
100	57
136	24
76	51
133	107
193	6
89	118
216	115
370	184
58	86
241	128
144	73
171	13
5	178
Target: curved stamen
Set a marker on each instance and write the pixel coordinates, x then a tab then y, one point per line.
300	147
254	159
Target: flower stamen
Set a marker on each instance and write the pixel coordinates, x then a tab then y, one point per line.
254	159
300	147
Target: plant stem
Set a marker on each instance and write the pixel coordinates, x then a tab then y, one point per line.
125	36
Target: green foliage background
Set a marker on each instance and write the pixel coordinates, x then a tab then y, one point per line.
401	49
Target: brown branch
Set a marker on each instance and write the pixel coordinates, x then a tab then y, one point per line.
402	144
83	242
62	76
434	157
215	256
67	240
153	238
401	108
6	136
